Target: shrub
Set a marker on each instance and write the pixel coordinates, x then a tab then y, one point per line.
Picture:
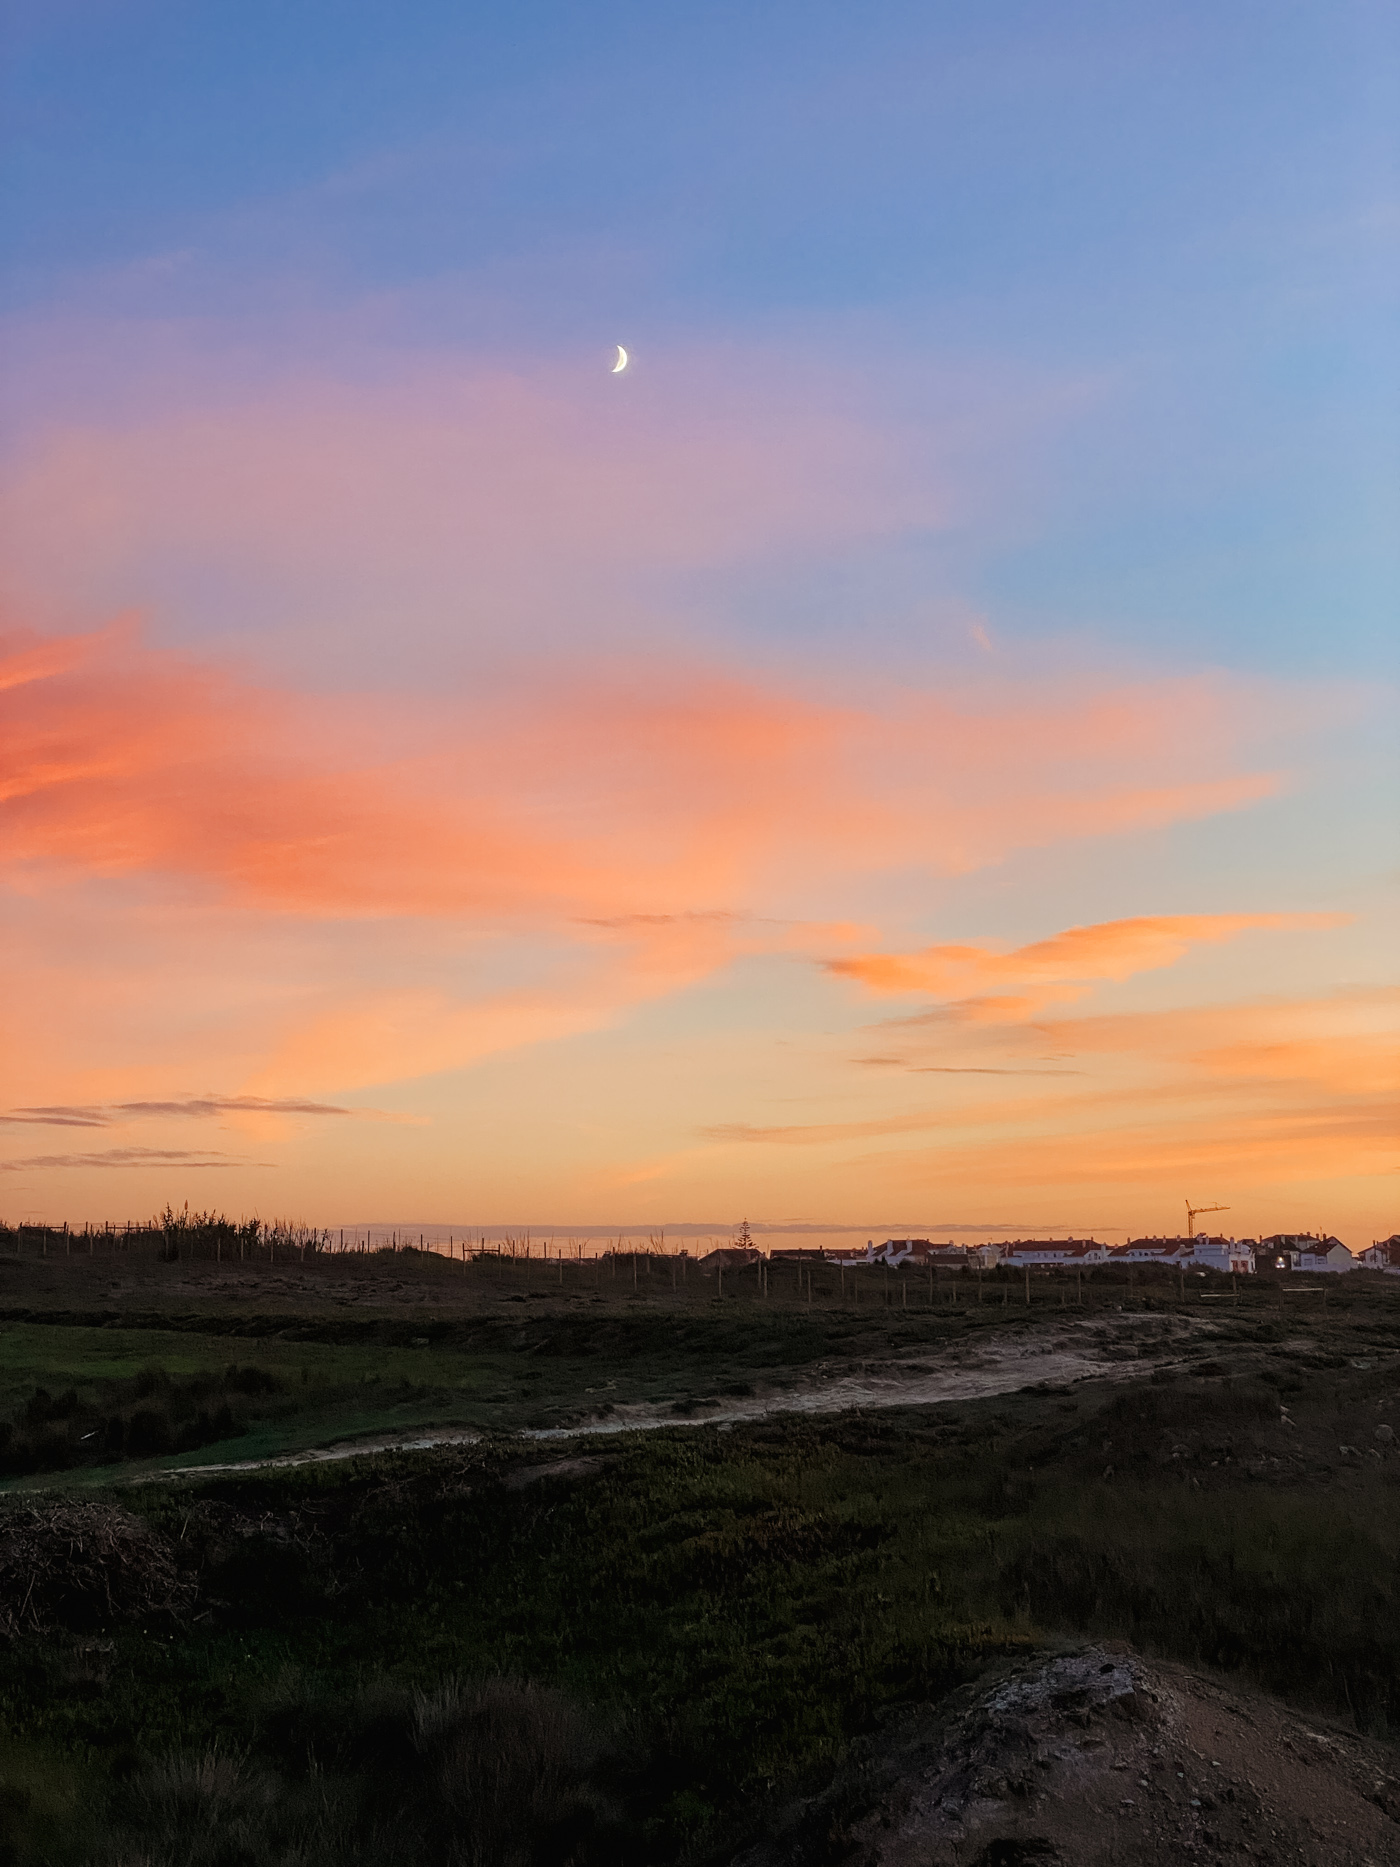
180	1414
250	1380
219	1810
512	1766
1303	1597
493	1773
147	1432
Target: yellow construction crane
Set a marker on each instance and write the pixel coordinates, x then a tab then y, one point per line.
1191	1212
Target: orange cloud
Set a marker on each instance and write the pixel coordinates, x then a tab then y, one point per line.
1111	950
1283	1109
1366	1063
1346	1042
220	878
302	894
1349	1039
1088	1144
1255	1102
1237	1154
655	792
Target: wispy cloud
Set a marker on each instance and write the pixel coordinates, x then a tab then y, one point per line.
954	1069
1267	1091
501	779
197	1107
1239	1149
817	1134
56	1118
230	1105
1107	950
126	1157
518	486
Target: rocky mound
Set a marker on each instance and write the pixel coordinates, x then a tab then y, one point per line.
1097	1757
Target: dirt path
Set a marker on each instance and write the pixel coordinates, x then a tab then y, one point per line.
321	1455
1101	1349
1122	1346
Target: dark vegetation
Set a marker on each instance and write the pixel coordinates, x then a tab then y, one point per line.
151	1413
170	1237
706	1617
78	1566
623	1649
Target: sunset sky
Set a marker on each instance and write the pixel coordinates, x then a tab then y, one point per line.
914	751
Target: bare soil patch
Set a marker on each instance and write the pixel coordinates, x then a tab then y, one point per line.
1096	1757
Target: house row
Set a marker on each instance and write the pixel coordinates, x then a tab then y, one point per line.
1218	1254
1302	1251
1310	1252
918	1252
1207	1253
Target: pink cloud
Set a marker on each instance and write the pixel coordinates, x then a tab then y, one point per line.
596	837
1108	950
658	791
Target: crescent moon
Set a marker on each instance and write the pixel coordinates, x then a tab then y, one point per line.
621	363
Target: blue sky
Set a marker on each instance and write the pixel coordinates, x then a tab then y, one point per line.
1190	208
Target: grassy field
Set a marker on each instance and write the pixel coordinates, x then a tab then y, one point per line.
665	1631
357	1347
394	1343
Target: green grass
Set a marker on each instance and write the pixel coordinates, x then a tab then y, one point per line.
536	1369
325	1392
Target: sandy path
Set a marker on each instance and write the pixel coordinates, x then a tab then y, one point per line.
1075	1352
321	1455
993	1368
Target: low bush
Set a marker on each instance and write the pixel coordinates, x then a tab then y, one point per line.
150	1414
1303	1595
491	1773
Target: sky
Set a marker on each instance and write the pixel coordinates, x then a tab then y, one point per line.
914	751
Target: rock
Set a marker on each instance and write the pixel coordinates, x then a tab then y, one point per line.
1386	1435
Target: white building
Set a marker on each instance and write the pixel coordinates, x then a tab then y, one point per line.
1383	1255
1280	1250
849	1260
897	1251
951	1257
918	1254
1168	1251
1235	1255
1064	1253
922	1253
1327	1254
